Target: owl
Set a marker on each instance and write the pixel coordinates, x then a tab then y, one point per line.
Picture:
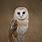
19	25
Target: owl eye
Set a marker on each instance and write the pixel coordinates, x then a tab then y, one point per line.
18	13
23	12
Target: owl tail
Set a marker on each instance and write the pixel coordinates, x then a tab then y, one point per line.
20	38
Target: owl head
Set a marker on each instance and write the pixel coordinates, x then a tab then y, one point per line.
21	13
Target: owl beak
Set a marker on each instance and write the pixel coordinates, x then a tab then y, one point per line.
20	16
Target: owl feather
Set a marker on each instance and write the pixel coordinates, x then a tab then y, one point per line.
12	30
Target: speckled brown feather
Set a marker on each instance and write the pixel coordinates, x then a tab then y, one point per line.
12	31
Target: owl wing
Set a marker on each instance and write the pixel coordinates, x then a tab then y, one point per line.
12	29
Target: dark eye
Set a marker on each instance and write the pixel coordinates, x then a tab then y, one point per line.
23	12
18	13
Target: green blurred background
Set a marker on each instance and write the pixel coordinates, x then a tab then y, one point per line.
7	7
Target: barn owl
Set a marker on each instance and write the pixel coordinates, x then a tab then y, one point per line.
19	24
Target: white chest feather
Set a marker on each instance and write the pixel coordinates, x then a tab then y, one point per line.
23	27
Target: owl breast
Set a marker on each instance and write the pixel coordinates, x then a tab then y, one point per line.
22	29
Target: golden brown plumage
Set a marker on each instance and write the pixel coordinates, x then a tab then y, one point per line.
12	30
